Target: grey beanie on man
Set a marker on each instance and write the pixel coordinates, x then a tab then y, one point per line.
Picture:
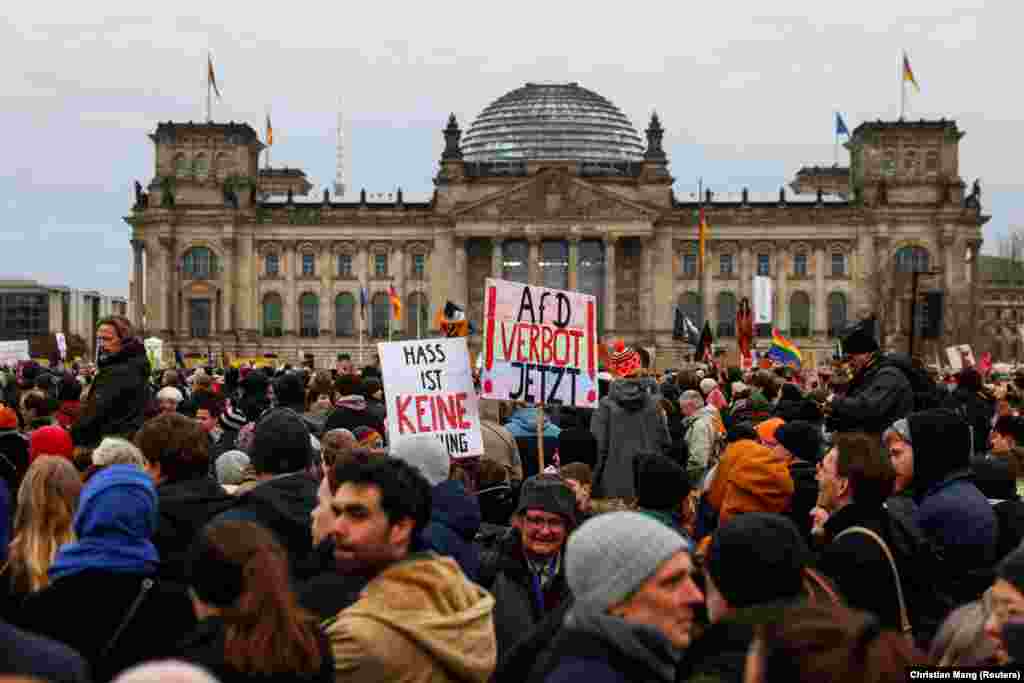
613	554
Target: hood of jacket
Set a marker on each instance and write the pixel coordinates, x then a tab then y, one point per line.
455	509
186	506
630	394
283	504
524	421
750	478
429	601
353	402
644	645
942	446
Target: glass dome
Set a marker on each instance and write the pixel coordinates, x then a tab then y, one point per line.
543	121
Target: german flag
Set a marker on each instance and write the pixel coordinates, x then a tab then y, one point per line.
396	303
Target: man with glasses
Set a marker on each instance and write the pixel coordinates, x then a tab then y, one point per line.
525	570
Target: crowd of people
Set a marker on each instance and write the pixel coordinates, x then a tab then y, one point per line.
701	524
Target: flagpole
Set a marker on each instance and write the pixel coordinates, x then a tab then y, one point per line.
700	257
835	148
209	105
903	90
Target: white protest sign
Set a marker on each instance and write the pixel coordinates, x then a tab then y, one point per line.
62	345
540	345
762	300
428	387
13	351
155	352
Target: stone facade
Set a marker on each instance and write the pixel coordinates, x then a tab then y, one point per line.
284	276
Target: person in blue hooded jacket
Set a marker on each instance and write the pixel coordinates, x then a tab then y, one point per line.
104	599
522	425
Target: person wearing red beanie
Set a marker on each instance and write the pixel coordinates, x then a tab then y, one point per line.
51	440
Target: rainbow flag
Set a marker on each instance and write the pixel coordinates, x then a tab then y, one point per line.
908	73
783	350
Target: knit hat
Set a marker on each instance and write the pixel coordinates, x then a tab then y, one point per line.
368	437
766	431
661	483
859	339
623	361
800	438
1011	569
8	418
427	454
613	554
280	443
231	467
900	428
231	419
707	385
548	494
942	445
51	440
762	545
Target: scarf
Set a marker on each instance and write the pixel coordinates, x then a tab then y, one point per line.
636	641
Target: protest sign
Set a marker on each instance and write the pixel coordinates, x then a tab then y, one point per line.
428	387
13	351
155	352
62	345
540	345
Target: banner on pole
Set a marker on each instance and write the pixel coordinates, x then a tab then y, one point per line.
428	387
540	345
13	351
762	300
960	357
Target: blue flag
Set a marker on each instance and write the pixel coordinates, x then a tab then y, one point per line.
362	302
841	128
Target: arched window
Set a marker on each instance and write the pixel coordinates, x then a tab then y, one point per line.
201	167
911	259
417	316
726	314
272	309
838	264
308	264
380	315
590	275
199	263
309	315
689	306
272	264
515	261
931	161
181	165
800	315
800	264
910	161
344	315
836	313
554	264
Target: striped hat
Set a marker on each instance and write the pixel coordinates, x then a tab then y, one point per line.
623	361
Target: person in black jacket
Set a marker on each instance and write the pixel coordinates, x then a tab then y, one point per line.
976	405
799	444
104	599
26	654
176	451
281	454
120	391
250	627
879	393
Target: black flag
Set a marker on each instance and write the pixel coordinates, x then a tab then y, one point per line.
704	343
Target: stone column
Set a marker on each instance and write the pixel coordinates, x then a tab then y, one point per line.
228	284
156	281
747	270
664	275
460	285
609	283
948	242
781	288
326	272
442	265
171	321
820	296
290	317
398	252
247	313
497	258
646	282
138	301
574	255
534	263
705	277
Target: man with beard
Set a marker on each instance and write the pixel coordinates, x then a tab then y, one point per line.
419	618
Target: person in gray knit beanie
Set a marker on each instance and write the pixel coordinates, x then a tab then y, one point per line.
613	554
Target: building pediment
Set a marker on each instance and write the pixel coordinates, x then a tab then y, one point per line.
555	194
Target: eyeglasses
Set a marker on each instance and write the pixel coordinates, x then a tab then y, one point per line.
555	524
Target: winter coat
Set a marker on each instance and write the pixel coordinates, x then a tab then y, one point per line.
700	436
185	507
83	610
118	397
577	444
805	494
625	424
522	425
877	396
956	515
454	522
283	505
418	621
719	654
204	647
68	413
858	565
33	656
505	573
13	458
615	652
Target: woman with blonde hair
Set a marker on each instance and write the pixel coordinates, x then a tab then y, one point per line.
47	500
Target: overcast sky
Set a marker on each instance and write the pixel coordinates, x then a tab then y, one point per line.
746	97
